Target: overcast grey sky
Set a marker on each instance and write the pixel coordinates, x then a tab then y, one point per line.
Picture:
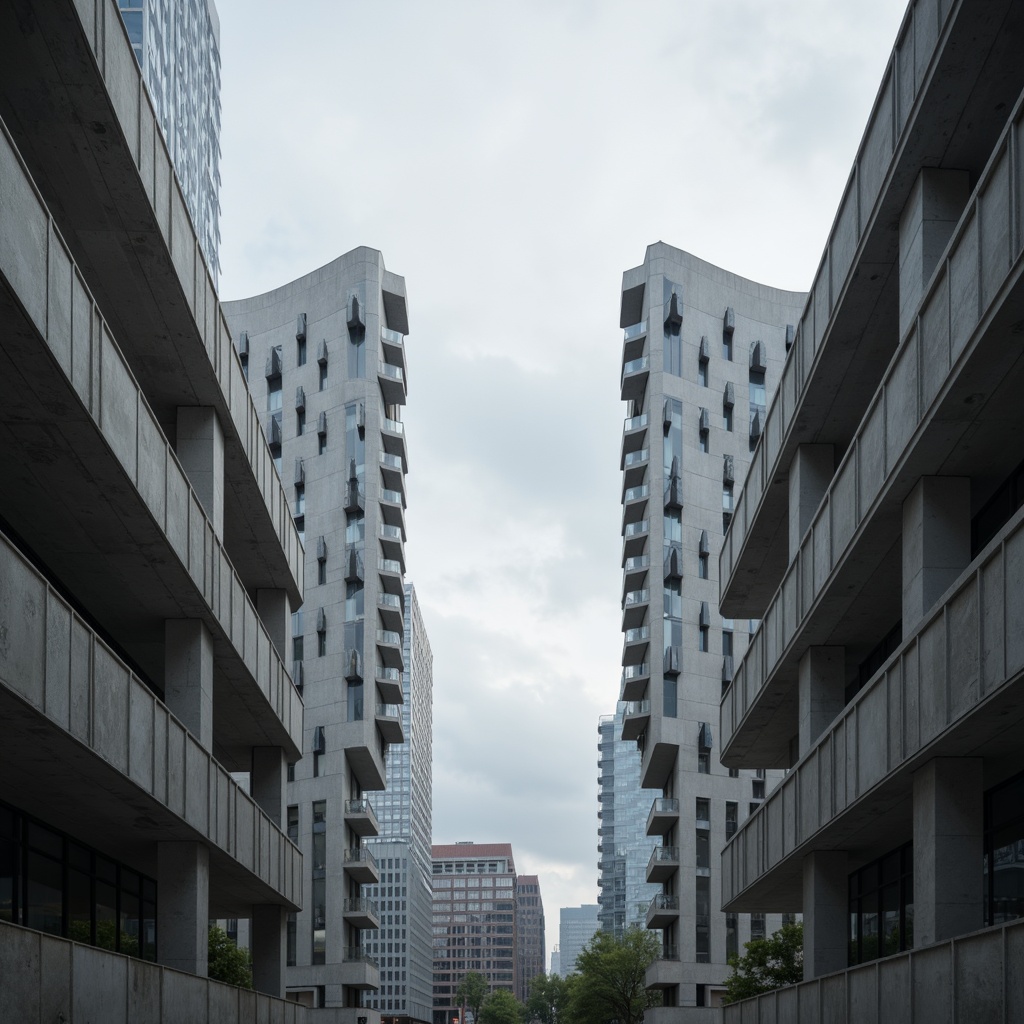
510	160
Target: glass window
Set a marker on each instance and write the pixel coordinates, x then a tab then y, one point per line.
704	762
702	908
323	386
757	927
703	850
702	373
300	422
702	566
703	639
300	352
321	572
731	818
1004	851
727	643
881	910
727	418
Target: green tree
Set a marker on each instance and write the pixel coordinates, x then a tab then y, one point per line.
226	962
472	992
767	964
609	980
501	1007
549	997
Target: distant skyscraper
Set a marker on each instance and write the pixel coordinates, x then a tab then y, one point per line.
625	846
474	921
177	45
556	961
576	927
402	946
529	934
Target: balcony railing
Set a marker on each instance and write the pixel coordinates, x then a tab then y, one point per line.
635	597
360	905
664	855
391	461
394	426
360	855
389	565
635	458
389	601
636	365
392	337
389	636
635	331
360	805
357	955
635	423
391	675
664	901
636	493
392	371
633	636
390	532
637	707
395	497
637	562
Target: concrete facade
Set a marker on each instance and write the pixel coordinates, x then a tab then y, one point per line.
325	361
886	671
146	558
703	351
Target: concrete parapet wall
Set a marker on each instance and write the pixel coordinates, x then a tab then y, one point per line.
968	980
41	272
946	341
52	660
967	652
48	979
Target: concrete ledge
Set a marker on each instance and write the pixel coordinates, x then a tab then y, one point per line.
840	337
48	979
160	783
99	138
968	980
961	667
908	430
40	271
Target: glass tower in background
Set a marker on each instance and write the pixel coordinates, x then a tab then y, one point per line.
623	841
177	45
402	945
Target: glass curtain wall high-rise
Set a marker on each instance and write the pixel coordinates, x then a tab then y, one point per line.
402	944
697	342
625	847
177	45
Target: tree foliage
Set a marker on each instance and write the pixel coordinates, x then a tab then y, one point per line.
549	998
226	962
472	992
609	980
501	1007
767	964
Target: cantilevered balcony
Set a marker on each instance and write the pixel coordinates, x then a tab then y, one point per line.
663	816
390	570
359	969
392	471
389	648
634	379
360	817
634	538
634	338
634	468
634	437
664	969
664	863
389	607
634	572
392	507
663	911
635	680
389	684
392	344
360	912
392	383
634	608
391	542
635	644
635	719
634	504
392	435
361	865
389	721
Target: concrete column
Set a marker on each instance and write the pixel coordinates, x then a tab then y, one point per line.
200	450
826	913
183	906
268	948
188	676
809	476
822	687
948	848
936	542
267	782
936	202
275	612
